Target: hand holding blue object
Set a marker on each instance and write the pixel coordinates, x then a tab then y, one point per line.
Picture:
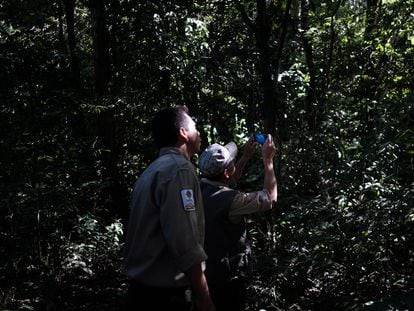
260	138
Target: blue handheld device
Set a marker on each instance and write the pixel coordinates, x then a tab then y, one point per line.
260	138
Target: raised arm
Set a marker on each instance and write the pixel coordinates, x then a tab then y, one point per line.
248	151
268	152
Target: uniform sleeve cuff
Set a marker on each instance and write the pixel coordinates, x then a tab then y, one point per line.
189	259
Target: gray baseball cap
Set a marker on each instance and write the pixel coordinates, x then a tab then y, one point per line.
216	157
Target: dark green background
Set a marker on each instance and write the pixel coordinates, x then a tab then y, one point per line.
331	80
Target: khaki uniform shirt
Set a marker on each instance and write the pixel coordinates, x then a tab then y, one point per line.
245	203
166	227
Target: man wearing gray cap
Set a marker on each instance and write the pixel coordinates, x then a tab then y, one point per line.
224	208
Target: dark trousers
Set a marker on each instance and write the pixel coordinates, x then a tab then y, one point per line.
141	298
229	296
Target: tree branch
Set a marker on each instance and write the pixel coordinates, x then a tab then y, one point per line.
283	34
244	15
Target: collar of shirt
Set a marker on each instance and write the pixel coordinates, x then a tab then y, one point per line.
214	183
174	150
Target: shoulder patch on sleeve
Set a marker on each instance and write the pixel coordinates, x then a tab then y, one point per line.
187	197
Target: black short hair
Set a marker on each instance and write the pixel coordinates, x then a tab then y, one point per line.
166	125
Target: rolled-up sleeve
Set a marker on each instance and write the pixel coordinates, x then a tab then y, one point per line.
249	203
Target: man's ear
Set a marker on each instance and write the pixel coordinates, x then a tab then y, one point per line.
183	134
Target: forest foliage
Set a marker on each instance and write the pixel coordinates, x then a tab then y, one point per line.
332	80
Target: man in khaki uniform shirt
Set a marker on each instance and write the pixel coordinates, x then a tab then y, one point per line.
225	208
163	254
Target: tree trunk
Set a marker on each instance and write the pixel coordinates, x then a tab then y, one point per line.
77	119
371	17
101	47
311	99
332	39
118	196
74	76
369	85
61	36
262	35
